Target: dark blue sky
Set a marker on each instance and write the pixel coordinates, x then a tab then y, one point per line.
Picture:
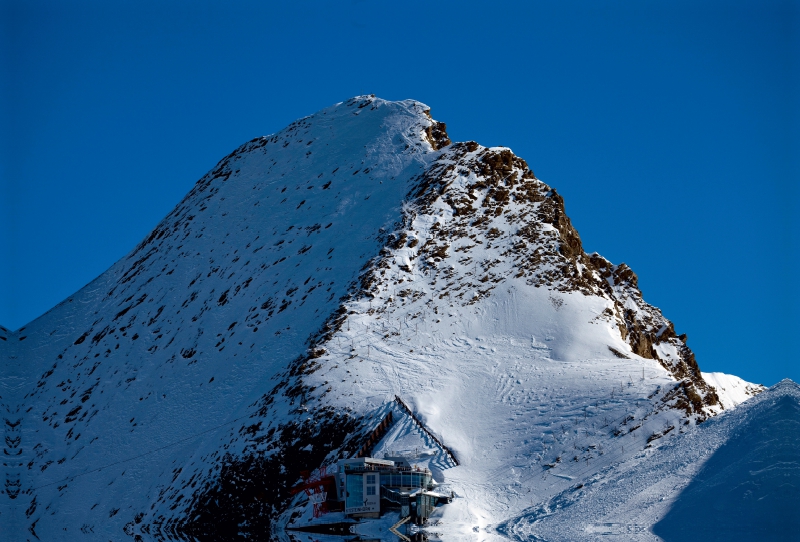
671	129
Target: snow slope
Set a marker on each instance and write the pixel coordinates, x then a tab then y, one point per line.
731	389
736	477
267	324
192	328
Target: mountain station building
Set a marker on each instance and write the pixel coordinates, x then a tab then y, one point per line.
367	487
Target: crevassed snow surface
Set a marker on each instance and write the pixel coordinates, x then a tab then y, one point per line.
735	477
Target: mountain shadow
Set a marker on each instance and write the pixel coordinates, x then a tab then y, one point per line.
749	489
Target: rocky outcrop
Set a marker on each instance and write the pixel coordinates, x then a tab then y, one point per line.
473	195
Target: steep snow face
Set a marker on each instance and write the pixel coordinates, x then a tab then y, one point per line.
731	389
735	477
201	320
266	325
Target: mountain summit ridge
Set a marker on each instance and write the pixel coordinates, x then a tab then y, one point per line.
201	373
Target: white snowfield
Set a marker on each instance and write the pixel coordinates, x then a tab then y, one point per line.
733	478
731	389
511	387
267	324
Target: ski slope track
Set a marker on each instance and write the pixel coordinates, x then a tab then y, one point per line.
266	325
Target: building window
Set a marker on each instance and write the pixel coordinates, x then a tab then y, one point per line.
371	479
370	490
355	491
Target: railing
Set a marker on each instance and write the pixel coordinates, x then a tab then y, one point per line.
394	530
375	436
387	421
381	468
425	429
394	496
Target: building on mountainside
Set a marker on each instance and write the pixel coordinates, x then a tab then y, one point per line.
367	487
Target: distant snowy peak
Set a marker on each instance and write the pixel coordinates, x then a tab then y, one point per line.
731	389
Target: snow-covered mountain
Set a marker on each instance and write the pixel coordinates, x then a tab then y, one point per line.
267	324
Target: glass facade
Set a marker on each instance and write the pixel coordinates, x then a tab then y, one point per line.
354	492
425	505
405	479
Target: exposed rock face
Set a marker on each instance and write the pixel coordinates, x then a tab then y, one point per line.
473	195
436	133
